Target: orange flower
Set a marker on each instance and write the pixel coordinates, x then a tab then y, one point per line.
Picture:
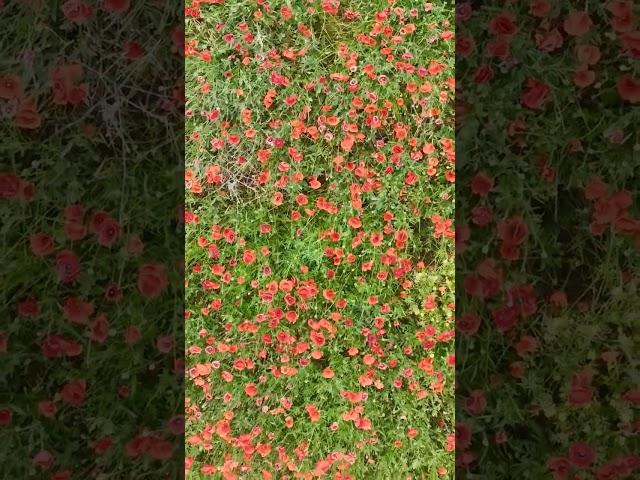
248	257
314	414
277	199
251	390
328	373
363	423
269	98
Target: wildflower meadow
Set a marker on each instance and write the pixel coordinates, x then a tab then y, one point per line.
548	240
319	240
91	240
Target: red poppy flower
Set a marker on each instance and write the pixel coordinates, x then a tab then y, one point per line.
67	266
577	23
152	280
74	393
629	88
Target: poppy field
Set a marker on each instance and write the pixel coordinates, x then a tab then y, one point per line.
319	249
319	239
91	240
548	238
